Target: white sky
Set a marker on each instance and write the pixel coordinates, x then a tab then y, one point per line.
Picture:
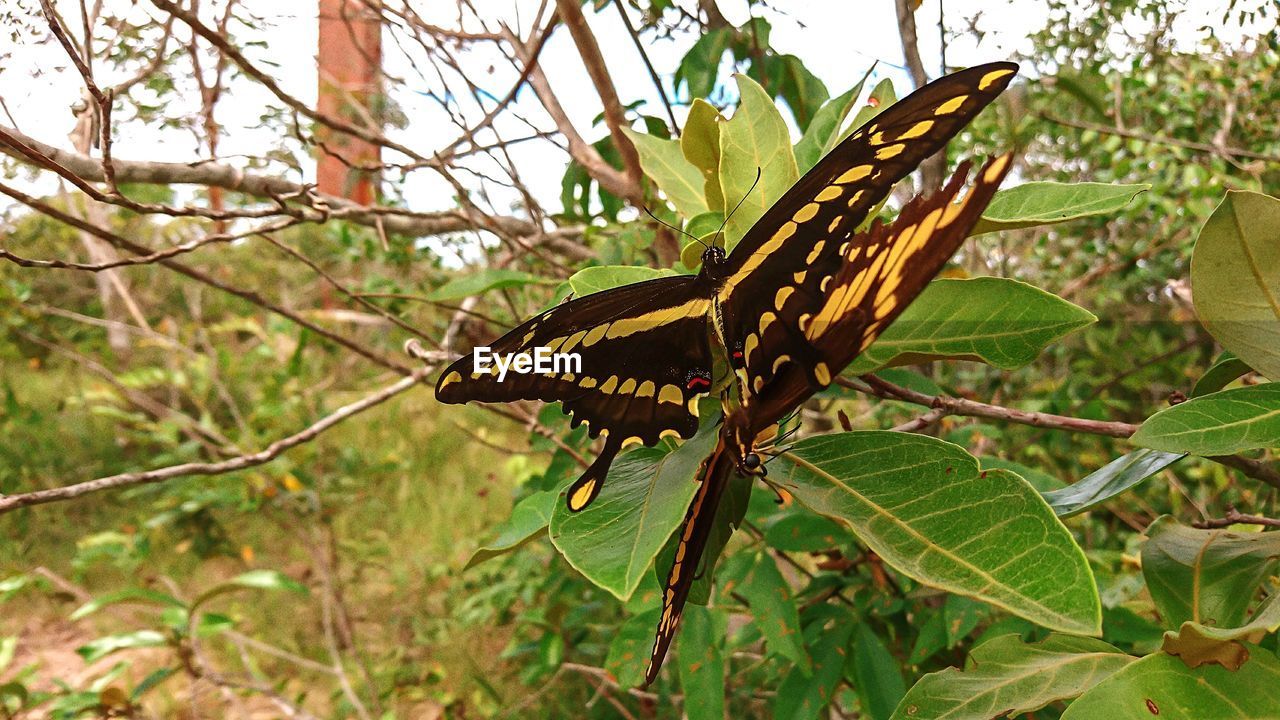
837	39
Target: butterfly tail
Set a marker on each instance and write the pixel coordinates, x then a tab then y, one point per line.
585	489
694	533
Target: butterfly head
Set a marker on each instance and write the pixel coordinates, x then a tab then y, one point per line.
713	262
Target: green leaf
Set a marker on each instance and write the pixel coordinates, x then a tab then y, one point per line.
803	92
700	143
756	138
104	646
643	501
1161	686
138	595
529	518
1199	644
819	137
1042	481
1112	479
804	695
1219	423
1205	576
629	650
664	163
876	676
701	664
925	507
1005	677
802	531
1001	322
774	609
1235	279
253	580
482	281
599	278
1047	203
1223	372
699	66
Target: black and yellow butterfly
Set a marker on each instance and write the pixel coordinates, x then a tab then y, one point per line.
882	270
646	348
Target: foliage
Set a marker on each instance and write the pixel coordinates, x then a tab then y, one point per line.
421	562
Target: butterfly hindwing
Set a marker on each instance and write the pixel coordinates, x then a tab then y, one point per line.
782	269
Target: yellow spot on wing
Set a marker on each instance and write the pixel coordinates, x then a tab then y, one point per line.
766	320
579	499
753	261
854	173
452	377
822	373
782	359
751	343
854	198
573	341
588	382
889	151
991	77
780	298
799	277
670	394
813	254
997	166
831	192
646	389
609	385
806	213
633	440
951	105
627	386
595	334
917	130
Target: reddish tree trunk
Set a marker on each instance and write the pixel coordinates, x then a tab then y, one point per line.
350	53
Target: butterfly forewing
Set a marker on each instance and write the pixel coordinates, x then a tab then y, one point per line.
781	271
645	360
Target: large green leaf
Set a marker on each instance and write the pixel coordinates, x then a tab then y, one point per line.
700	663
877	677
1235	279
1160	687
482	281
756	138
1108	481
1219	423
664	162
1006	677
1001	322
819	137
700	143
528	519
774	609
645	496
1205	576
599	278
803	92
925	507
1224	370
1046	203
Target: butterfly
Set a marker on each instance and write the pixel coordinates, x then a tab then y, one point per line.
882	270
646	349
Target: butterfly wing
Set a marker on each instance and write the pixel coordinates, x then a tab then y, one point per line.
698	523
645	361
882	272
782	268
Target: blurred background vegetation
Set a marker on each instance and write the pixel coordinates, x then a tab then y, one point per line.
347	552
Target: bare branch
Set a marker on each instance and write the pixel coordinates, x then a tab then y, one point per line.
9	503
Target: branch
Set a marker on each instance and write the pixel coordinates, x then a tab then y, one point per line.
276	189
958	406
933	169
593	60
1234	517
1213	149
9	503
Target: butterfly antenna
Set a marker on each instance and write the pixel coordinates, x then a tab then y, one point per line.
673	227
735	207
